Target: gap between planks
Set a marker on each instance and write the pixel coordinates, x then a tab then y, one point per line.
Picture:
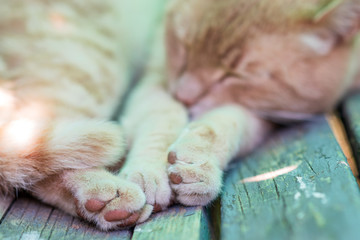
5	205
342	138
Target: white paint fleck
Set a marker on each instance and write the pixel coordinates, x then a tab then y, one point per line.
321	196
344	163
302	183
309	190
138	229
33	235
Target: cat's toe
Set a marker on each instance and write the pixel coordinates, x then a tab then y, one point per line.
130	221
117	215
94	205
154	182
105	199
195	178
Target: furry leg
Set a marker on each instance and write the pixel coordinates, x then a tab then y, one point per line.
35	150
206	146
153	121
94	195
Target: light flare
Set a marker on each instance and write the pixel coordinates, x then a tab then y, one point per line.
21	133
6	99
270	175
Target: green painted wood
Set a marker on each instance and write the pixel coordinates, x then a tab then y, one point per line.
63	226
25	220
351	116
316	197
30	219
175	223
5	203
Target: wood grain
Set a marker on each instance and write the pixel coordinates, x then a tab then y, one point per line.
5	203
30	219
180	223
298	185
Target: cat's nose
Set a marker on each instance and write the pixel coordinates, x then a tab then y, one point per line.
188	90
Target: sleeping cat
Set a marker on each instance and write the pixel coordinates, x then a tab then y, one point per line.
61	77
231	63
238	66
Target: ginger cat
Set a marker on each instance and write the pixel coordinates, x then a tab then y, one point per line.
235	65
62	75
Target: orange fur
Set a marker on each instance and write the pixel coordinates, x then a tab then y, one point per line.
261	54
234	64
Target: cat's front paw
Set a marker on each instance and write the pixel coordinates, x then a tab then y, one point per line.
106	200
195	177
154	182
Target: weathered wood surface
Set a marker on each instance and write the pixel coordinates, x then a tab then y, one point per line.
297	186
28	219
5	203
351	114
176	223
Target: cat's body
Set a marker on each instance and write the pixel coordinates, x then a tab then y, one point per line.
58	72
62	76
235	64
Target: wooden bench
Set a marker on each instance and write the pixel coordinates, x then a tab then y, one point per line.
297	185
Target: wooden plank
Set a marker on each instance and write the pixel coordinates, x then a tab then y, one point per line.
338	128
298	185
175	223
25	220
351	115
63	226
30	219
5	203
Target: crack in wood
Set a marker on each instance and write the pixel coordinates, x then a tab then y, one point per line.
241	206
69	226
7	210
47	222
284	216
53	226
276	189
312	169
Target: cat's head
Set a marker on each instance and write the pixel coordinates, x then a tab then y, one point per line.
211	41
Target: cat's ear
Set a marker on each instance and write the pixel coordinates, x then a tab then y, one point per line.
341	17
337	21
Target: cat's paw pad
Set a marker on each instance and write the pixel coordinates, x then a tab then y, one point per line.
154	182
194	177
108	201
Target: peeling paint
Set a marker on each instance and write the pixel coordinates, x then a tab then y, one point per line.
321	196
310	191
302	184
